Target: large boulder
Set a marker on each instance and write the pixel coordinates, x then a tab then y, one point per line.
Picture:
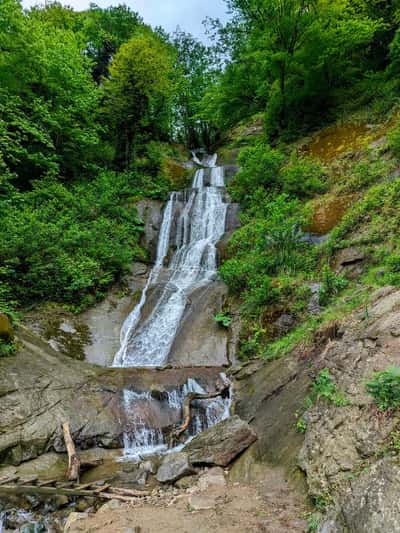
174	466
372	502
222	443
6	331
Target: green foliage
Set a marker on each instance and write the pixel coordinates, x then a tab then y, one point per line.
366	173
68	244
394	141
295	60
283	346
385	389
303	177
223	319
260	167
301	425
138	94
324	387
332	285
313	522
196	72
266	168
265	252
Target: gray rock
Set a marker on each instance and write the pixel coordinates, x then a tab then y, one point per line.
372	505
150	211
110	506
284	323
202	502
350	261
212	479
173	467
72	523
222	443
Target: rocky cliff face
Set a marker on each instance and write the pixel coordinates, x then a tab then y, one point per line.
345	452
41	388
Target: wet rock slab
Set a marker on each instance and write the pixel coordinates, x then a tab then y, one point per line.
40	389
220	444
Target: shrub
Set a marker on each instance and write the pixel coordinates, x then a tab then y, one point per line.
223	319
325	387
385	389
68	244
394	141
234	272
260	167
303	177
332	284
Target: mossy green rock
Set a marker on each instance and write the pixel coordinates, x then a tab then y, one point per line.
6	330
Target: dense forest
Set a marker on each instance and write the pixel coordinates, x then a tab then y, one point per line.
96	106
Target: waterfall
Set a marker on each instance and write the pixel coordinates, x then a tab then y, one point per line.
142	439
200	225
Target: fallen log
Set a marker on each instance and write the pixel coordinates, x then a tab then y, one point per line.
54	491
130	492
8	479
117	497
47	483
73	459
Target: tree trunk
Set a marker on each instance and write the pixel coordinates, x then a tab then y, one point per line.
73	459
186	409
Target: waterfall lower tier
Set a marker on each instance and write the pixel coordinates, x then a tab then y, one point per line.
151	415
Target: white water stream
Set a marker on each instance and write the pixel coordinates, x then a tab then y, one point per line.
200	225
147	342
140	439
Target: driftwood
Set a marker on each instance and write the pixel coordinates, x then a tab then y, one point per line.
125	495
74	463
129	492
187	405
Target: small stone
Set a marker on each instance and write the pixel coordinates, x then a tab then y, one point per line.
186	482
72	520
109	506
61	501
174	467
213	478
201	502
83	504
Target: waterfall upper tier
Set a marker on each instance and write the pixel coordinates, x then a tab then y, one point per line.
186	263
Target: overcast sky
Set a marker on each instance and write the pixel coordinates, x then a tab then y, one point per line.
188	14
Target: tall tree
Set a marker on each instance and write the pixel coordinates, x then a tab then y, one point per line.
196	70
138	93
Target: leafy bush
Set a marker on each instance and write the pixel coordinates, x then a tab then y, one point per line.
394	141
332	284
325	387
385	389
68	244
303	177
223	319
260	167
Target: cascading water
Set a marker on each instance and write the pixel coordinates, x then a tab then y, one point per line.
200	226
140	439
147	342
